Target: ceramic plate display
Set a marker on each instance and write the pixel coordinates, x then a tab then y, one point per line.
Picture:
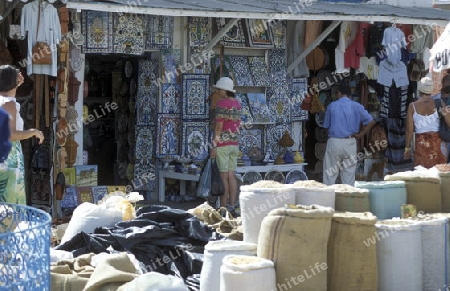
320	118
144	142
148	72
195	139
251	177
170	98
258	68
276	61
294	176
280	110
250	138
321	134
320	149
258	107
199	31
241	70
273	134
275	176
170	61
235	35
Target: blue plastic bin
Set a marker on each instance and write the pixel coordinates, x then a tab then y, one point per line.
25	234
386	197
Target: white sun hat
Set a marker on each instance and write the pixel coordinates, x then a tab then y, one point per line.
225	83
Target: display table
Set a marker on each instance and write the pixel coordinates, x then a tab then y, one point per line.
267	168
176	176
240	170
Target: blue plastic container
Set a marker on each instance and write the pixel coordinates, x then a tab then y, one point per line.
386	197
24	248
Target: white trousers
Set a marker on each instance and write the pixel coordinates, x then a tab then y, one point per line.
340	158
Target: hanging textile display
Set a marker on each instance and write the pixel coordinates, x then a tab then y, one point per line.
40	22
98	31
128	34
159	32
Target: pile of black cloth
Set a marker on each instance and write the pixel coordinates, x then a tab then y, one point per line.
163	240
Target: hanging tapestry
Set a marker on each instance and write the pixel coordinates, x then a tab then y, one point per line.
246	115
129	33
145	109
199	29
159	32
241	70
259	33
298	88
168	139
259	108
195	142
235	36
279	34
195	92
148	79
259	71
170	59
250	138
170	99
273	134
280	110
145	142
98	27
199	61
277	61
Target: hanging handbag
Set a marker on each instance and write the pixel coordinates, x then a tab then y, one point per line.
41	54
217	187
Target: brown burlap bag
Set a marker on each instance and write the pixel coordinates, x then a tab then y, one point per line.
423	191
296	239
352	199
444	174
352	266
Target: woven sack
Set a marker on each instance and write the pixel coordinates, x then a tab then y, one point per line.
296	239
257	200
399	257
349	260
352	199
240	272
423	189
444	174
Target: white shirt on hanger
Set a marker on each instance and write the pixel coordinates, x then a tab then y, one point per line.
49	31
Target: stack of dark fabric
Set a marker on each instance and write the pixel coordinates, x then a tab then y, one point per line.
164	240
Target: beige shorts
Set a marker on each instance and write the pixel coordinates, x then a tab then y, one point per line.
226	158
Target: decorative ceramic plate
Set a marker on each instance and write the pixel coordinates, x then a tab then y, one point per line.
294	176
320	118
275	175
321	134
320	150
251	177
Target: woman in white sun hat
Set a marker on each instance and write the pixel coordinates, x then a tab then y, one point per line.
422	121
226	139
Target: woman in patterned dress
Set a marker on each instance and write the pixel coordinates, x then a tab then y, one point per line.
12	180
422	122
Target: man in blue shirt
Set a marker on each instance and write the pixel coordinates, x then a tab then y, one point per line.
343	120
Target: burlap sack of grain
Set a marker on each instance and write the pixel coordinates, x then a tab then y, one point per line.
349	259
349	198
444	174
310	192
295	239
240	272
214	253
257	200
423	187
